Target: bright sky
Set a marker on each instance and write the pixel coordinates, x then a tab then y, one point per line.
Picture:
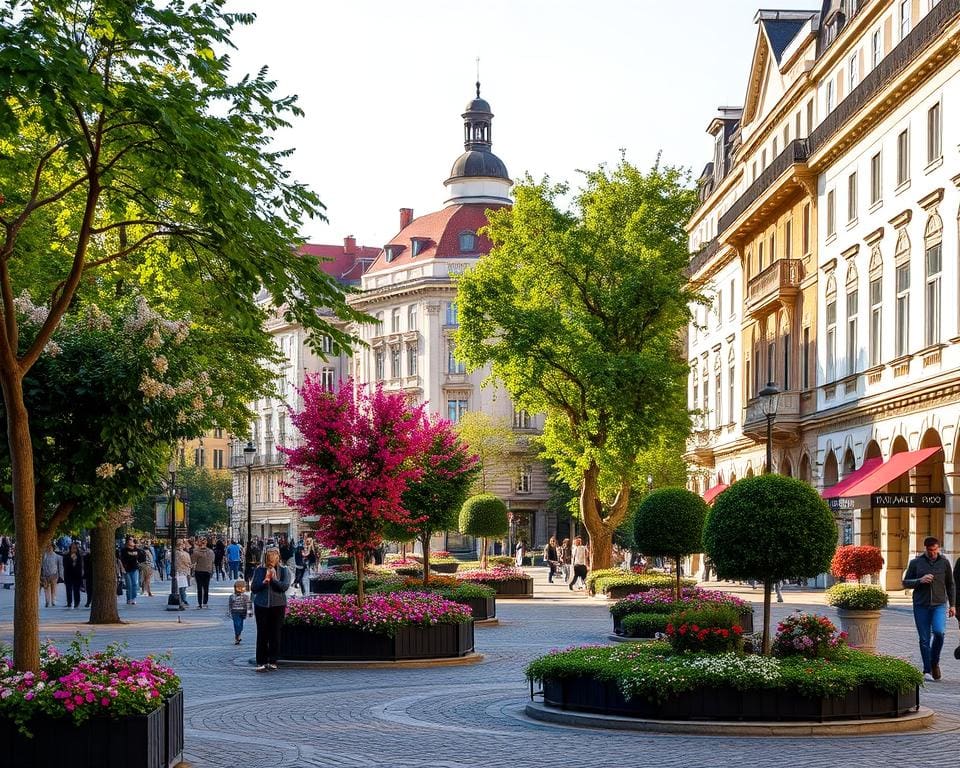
571	82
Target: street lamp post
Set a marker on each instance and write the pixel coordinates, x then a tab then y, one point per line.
769	402
173	599
231	525
249	456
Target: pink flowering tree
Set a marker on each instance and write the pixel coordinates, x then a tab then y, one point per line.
360	450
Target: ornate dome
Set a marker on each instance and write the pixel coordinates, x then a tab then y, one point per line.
478	162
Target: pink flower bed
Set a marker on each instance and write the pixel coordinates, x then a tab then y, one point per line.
80	686
497	573
691	597
403	561
380	614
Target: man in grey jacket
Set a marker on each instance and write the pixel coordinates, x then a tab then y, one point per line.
930	578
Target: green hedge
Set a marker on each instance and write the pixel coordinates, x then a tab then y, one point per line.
599	581
644	624
857	597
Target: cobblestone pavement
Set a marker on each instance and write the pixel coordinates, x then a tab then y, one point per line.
463	716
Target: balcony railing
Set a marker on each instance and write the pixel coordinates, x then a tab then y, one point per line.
755	421
780	280
795	152
904	53
702	256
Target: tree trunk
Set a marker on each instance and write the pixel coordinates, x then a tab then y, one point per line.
483	553
601	548
359	572
26	601
600	529
103	556
425	542
767	585
676	566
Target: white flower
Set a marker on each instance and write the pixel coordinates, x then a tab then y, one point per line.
160	364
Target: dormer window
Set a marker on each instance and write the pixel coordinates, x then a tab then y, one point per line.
418	245
391	252
468	242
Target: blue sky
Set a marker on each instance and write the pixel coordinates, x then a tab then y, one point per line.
571	83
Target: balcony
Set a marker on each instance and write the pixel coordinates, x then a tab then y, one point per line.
701	257
785	424
777	284
786	175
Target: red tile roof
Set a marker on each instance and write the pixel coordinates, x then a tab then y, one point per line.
441	229
346	262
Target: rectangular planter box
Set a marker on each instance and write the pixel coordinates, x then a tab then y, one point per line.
586	694
134	741
325	586
512	588
300	643
481	607
444	567
173	727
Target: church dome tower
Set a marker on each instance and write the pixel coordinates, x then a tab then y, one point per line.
478	175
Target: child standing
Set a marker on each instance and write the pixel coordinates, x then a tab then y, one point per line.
239	608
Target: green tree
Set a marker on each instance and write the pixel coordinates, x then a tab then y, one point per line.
121	131
669	522
770	528
484	515
580	313
494	443
207	493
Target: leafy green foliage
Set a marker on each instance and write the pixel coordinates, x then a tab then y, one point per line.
484	515
669	521
578	313
710	628
857	597
770	528
493	442
600	580
644	624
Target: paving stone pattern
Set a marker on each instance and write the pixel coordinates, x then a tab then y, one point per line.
463	716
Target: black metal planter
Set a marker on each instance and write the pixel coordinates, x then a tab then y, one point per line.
511	587
585	694
326	586
444	567
480	607
440	641
133	741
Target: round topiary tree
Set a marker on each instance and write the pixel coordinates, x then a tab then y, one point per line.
770	528
669	522
856	561
484	515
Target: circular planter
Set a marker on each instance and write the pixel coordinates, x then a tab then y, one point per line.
861	627
586	694
439	641
444	567
132	741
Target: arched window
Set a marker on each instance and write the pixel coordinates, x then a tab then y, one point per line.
853	308
876	306
933	265
901	331
468	242
731	386
831	328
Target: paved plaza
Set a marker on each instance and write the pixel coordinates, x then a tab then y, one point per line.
464	716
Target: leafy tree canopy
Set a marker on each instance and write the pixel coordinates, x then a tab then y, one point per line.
579	314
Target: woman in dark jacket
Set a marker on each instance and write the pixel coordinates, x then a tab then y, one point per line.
73	574
270	584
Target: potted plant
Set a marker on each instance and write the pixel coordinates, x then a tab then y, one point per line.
858	605
484	515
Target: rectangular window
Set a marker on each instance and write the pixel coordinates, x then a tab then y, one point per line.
876	48
394	362
452	317
773	151
733	306
853	73
798	125
829	98
412	360
805	234
718	306
731	389
327	345
521	419
456	409
788	239
257	483
771	361
282	428
760	257
379	359
852	341
809	117
199	457
412	317
831	214
454	365
905	18
773	247
876	321
706	399
786	361
903	157
876	178
218	432
786	135
902	328
932	308
395	320
831	340
217	458
934	143
717	401
525	479
805	372
327	376
852	197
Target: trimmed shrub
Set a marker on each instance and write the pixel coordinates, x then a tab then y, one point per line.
857	597
669	522
856	562
709	628
484	515
644	624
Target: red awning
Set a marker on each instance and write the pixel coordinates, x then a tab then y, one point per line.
866	469
875	473
711	493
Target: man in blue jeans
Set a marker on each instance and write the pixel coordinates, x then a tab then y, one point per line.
930	578
234	554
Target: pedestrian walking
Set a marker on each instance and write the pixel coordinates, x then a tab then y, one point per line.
930	578
146	569
202	561
130	559
4	554
219	552
183	572
73	574
234	558
300	562
270	583
552	557
161	560
521	550
565	560
580	556
240	608
51	572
